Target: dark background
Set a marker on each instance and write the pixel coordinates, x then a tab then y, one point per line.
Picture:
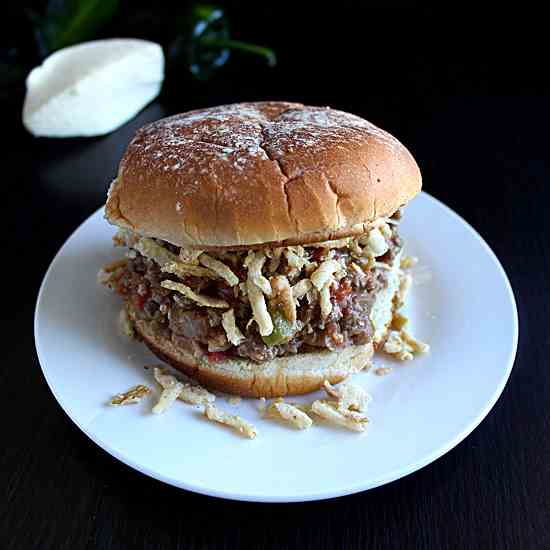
467	92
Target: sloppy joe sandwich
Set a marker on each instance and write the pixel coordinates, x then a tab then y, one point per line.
263	248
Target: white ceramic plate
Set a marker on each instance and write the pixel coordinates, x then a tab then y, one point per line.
420	410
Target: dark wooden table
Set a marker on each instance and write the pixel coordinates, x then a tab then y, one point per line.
488	159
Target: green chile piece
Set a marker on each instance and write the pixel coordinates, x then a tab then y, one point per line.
283	330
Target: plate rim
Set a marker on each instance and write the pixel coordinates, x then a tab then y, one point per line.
318	495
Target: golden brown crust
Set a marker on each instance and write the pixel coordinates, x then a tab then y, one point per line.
254	173
295	375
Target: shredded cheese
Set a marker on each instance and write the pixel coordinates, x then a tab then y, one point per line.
130	397
190	256
350	397
150	249
394	345
301	288
190	393
184	270
405	282
282	296
403	346
386	231
254	263
234	335
323	274
219	268
215	414
256	286
201	299
399	321
376	243
290	414
354	421
324	301
339	243
259	308
296	258
167	398
416	345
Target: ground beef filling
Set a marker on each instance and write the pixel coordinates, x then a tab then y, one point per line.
199	329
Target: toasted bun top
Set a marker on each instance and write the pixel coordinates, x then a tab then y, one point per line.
254	173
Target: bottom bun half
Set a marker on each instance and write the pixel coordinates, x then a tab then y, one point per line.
293	375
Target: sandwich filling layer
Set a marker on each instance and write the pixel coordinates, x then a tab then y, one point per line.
259	304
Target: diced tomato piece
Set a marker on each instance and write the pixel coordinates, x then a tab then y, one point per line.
341	292
216	356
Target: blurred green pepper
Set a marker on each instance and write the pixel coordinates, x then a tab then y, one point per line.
205	43
68	22
202	46
283	329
